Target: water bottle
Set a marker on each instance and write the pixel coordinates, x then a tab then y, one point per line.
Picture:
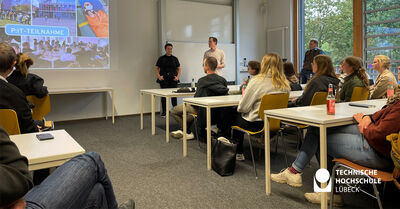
390	89
193	85
330	101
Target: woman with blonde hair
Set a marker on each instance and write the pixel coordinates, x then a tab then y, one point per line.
379	89
324	71
356	77
29	83
271	79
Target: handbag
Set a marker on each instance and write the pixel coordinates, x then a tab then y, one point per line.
223	157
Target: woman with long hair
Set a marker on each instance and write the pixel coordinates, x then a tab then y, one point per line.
356	77
29	83
271	79
324	71
379	89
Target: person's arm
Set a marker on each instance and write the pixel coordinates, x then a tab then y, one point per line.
250	96
306	97
179	74
14	175
158	74
38	87
222	63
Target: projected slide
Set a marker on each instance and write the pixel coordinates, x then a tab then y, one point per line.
58	34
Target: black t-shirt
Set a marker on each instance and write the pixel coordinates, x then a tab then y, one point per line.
168	66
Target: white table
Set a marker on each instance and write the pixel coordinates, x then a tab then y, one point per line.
47	153
213	102
167	93
106	90
315	116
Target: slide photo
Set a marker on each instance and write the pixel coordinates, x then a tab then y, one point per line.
59	13
14	41
15	12
92	18
67	52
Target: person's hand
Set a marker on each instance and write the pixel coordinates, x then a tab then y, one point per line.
39	128
161	78
19	204
293	99
176	78
363	123
358	117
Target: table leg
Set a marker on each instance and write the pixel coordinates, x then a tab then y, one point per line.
153	114
208	138
267	157
323	162
112	105
141	111
167	119
184	130
106	104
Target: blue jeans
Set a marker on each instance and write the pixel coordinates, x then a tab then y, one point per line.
81	182
342	142
305	76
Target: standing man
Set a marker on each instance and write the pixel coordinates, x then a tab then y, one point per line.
308	59
216	53
168	71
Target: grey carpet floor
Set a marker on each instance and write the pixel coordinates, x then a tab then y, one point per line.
154	173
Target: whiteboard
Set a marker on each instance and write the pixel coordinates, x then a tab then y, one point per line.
190	56
195	21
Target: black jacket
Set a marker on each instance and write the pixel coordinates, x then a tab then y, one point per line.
11	97
30	85
15	180
317	84
211	85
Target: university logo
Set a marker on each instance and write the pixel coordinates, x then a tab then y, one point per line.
322	176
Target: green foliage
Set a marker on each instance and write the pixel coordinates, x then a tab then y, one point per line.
331	23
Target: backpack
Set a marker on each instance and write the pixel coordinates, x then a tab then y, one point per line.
395	154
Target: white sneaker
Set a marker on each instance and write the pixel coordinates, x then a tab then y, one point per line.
288	177
240	157
177	134
315	197
189	136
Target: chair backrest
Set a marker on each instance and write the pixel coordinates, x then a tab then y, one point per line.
359	93
319	98
270	102
9	121
42	106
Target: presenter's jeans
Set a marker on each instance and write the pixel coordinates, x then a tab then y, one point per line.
342	142
82	182
305	76
168	84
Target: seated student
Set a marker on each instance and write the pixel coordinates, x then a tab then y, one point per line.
271	79
356	77
253	67
11	97
29	83
209	85
289	73
363	143
324	75
69	186
379	89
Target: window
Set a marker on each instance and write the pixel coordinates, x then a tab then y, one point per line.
331	23
382	32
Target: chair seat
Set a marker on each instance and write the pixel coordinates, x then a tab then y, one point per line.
247	131
383	175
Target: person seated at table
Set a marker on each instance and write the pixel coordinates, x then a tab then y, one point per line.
289	73
11	97
253	67
356	77
363	143
379	89
82	182
209	85
324	75
271	79
29	83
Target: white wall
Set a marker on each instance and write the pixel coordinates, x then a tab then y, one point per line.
134	49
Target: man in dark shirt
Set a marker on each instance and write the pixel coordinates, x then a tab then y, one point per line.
168	72
209	85
308	59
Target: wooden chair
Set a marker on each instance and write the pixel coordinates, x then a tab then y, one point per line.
9	121
359	93
42	106
382	175
268	102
